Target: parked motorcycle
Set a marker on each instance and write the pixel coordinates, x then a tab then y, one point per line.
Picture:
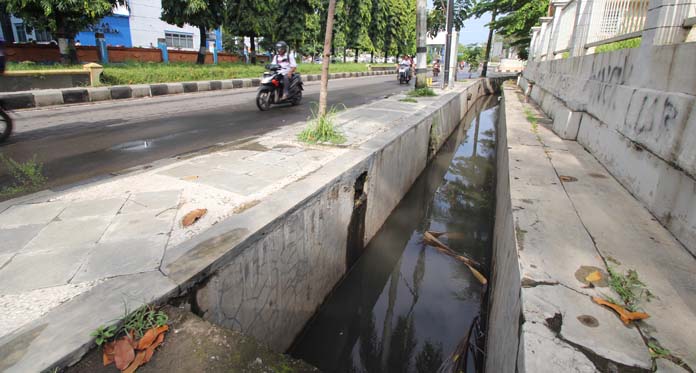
404	73
436	69
271	89
5	125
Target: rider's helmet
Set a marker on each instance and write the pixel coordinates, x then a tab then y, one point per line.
281	47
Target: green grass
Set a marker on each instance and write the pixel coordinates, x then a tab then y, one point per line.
321	129
147	73
26	176
531	118
624	44
629	288
422	92
408	99
139	321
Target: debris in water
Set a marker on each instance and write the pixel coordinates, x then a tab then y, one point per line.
626	316
193	217
431	240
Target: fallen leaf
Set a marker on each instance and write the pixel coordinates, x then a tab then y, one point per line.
123	353
151	350
567	179
593	277
193	217
626	316
436	234
137	361
150	336
108	353
189	178
481	278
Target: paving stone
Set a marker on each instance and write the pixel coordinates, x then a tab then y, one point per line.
141	225
241	184
546	353
14	239
151	201
271	174
62	234
36	213
117	258
268	158
184	170
605	334
241	167
34	270
99	207
666	366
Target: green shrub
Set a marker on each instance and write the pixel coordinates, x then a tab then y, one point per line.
623	44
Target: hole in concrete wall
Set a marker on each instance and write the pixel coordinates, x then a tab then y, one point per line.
356	230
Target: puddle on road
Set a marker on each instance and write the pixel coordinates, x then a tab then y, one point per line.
405	307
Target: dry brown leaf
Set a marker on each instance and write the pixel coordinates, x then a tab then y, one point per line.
150	336
123	353
137	362
151	350
626	316
436	234
593	277
108	353
193	217
567	179
481	278
189	178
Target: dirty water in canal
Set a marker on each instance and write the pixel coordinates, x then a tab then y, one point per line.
404	306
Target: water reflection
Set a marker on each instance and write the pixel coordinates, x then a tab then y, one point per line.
404	307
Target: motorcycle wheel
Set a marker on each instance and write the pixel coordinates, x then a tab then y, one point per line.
297	99
5	125
263	99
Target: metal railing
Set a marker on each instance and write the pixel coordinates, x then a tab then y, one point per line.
566	26
616	20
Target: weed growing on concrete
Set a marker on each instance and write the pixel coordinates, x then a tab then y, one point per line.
26	176
139	321
657	351
408	99
629	288
422	92
531	118
322	129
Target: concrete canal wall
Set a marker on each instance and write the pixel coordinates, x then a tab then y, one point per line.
633	109
271	283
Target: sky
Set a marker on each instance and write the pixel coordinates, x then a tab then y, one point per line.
474	30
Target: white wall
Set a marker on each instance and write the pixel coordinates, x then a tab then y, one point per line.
146	25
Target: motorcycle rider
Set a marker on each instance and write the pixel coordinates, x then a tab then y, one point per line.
287	64
2	55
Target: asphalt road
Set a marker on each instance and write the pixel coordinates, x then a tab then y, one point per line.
86	142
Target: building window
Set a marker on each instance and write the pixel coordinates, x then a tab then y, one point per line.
179	40
42	36
21	32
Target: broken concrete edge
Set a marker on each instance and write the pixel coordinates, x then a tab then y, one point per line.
52	97
524	319
62	336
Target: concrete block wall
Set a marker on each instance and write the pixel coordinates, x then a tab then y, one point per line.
635	111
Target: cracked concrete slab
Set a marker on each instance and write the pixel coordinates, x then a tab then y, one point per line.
35	213
14	239
125	257
583	323
98	207
61	234
542	351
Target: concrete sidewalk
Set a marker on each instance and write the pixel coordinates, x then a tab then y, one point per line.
572	217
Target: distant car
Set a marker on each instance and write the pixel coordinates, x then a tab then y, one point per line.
317	60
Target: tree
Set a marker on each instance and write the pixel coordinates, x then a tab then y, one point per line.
204	14
378	26
291	25
328	34
62	18
437	17
358	18
250	18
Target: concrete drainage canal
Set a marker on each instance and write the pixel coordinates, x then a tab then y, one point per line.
406	306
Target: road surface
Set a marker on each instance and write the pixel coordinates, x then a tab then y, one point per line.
80	143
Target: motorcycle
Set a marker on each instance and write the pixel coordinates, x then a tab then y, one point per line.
436	69
404	73
5	124
271	89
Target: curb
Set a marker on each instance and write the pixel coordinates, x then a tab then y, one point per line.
64	96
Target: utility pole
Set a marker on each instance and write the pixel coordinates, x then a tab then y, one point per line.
421	62
328	34
448	42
